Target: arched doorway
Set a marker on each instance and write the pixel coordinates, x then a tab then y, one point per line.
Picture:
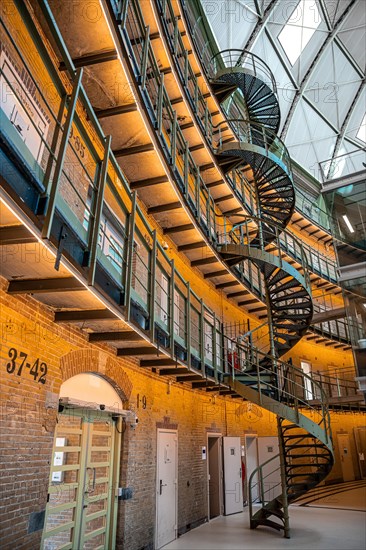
82	498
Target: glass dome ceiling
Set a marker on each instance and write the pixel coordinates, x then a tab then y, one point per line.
316	50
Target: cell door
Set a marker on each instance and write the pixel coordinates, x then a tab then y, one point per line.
233	493
214	467
346	457
82	497
251	464
166	487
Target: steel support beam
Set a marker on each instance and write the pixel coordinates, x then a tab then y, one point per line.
157	363
128	352
15	234
124	335
118	110
204	261
83	315
38	286
178	228
191	246
164	207
227	284
91	59
140	184
215	274
127	151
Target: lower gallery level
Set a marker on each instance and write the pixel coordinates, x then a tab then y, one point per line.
181	456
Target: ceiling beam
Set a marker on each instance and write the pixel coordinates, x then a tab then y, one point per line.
124	335
248	302
16	234
91	59
254	309
189	378
214	184
140	184
163	362
227	284
204	261
202	384
174	371
136	150
191	246
233	211
207	166
39	286
164	207
237	294
224	198
196	147
127	352
152	36
178	228
83	315
215	274
118	110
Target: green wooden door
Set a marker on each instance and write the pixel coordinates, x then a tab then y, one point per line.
82	495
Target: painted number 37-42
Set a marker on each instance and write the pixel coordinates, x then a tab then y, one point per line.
18	362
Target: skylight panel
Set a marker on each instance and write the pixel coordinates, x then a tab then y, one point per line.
361	134
299	29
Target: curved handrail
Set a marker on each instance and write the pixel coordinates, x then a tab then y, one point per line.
257	134
232	58
261	230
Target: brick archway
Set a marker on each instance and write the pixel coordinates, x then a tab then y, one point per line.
96	362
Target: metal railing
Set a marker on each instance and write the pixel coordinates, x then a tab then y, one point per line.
340	385
243	59
256	134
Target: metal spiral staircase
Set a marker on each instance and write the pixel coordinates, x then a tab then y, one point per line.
233	70
306	453
257	148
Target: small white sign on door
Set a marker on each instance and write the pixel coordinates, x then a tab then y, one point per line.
58	460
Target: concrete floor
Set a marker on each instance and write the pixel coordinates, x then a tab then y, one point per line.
326	524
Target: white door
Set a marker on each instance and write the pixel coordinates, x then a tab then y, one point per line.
346	457
166	487
268	448
251	463
232	475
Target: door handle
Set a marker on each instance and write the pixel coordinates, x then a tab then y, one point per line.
90	490
161	486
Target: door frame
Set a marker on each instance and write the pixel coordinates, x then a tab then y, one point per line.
215	435
254	437
225	480
340	434
158	432
88	416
